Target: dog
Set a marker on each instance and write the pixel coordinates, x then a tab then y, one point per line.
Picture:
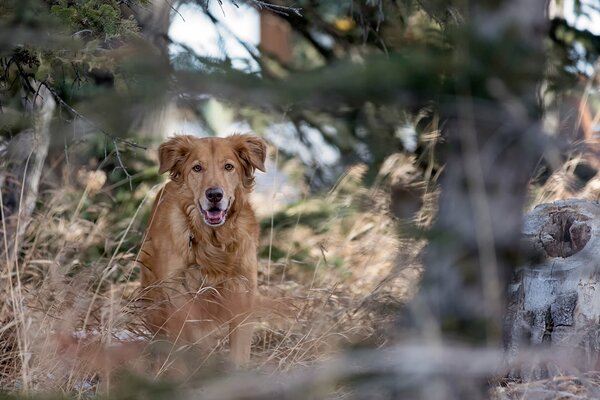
198	259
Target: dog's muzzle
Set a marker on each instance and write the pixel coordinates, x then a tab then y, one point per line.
214	212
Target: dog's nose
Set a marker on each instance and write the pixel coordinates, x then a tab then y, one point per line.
214	195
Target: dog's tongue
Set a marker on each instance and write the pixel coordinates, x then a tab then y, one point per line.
214	216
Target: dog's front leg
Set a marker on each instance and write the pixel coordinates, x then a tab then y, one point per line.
240	338
241	326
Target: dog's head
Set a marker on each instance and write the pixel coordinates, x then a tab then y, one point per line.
213	169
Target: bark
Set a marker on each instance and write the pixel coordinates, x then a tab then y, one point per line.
22	165
275	37
154	20
554	300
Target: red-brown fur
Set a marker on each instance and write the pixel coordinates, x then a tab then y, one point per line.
192	271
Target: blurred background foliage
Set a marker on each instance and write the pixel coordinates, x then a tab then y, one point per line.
360	102
352	73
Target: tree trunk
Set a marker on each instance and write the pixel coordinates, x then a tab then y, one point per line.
554	300
154	20
22	166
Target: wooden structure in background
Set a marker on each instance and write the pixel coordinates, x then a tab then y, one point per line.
275	37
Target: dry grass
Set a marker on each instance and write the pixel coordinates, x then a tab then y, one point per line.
564	184
71	318
586	386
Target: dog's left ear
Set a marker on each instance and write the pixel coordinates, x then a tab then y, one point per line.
252	151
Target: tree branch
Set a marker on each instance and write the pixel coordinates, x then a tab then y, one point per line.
89	121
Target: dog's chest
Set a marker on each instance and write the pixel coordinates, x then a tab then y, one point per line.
212	264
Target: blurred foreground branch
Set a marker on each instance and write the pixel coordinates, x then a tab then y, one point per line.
493	144
410	370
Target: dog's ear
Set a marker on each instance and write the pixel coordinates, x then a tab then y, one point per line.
252	152
173	153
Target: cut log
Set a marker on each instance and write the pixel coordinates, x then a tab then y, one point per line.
554	300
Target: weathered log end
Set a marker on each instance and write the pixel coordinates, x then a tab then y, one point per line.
567	232
554	299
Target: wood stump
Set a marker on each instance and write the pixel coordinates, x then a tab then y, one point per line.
554	300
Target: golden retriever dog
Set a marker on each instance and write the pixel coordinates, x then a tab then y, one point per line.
198	258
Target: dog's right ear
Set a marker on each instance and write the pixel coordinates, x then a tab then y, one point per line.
173	153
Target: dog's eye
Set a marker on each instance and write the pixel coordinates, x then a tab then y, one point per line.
229	167
197	168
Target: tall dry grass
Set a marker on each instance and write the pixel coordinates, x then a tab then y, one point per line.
71	308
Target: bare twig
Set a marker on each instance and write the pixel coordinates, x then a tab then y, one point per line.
90	122
174	9
115	139
121	165
250	49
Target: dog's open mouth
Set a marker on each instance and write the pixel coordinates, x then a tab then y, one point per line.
214	216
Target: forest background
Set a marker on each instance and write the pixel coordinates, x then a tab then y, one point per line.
407	140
